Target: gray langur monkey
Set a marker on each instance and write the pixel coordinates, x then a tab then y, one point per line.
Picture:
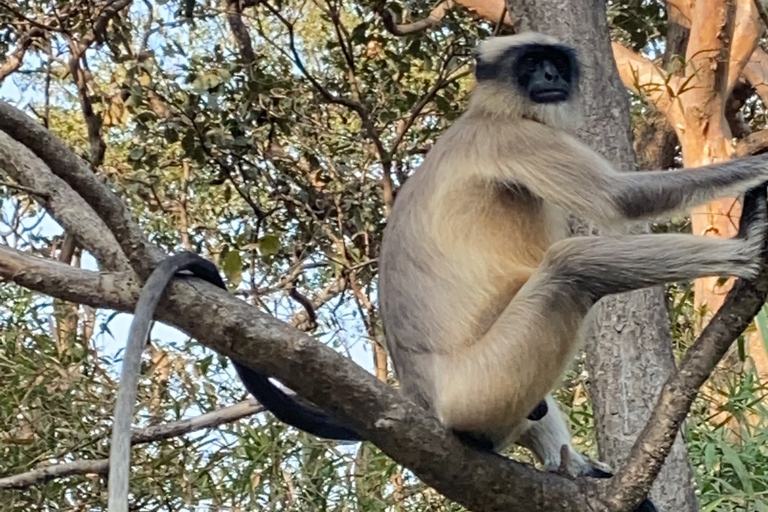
481	294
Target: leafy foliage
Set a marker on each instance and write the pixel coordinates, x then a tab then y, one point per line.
271	139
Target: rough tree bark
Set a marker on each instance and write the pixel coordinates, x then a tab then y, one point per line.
629	345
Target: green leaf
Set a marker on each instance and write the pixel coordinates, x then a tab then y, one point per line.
136	153
733	459
269	245
762	326
710	456
713	505
233	268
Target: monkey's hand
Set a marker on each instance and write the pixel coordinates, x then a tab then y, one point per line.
573	464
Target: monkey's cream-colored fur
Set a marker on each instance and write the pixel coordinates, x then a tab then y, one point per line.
482	295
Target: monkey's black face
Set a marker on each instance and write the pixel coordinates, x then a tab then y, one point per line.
543	73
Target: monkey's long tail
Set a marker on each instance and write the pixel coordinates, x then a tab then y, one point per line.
291	410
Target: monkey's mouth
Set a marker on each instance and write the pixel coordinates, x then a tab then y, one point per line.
552	95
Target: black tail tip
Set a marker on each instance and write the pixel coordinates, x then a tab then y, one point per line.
646	506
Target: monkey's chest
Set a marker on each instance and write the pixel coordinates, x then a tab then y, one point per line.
511	230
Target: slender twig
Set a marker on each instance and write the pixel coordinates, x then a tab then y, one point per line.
21	188
141	436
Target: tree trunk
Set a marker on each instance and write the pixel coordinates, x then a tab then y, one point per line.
629	352
723	36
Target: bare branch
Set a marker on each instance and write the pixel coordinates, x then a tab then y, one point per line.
753	144
38	476
141	436
644	77
240	31
139	251
436	15
494	11
14	60
708	55
118	291
109	11
61	202
93	121
683	7
756	72
761	12
27	190
746	33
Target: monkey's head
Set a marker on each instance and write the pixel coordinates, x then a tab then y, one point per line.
528	75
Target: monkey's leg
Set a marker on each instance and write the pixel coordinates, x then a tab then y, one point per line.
550	441
549	436
519	359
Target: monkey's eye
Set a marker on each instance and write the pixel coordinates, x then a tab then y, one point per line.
529	63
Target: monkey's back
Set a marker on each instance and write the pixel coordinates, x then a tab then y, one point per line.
456	250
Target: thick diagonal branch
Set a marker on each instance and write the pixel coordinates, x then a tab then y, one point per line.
62	203
652	446
139	251
479	481
645	78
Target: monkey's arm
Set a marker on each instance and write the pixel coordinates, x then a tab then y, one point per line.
647	194
565	172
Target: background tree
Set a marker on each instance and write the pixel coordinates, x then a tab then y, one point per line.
272	138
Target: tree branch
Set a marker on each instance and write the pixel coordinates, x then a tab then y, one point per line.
141	436
14	60
746	33
139	251
93	121
491	10
109	11
753	144
756	72
651	448
62	203
404	431
117	290
494	11
645	78
436	15
761	12
240	31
